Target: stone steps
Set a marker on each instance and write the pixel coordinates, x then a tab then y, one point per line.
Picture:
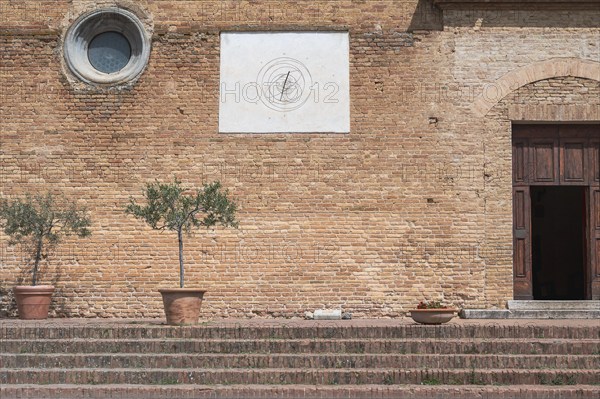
54	329
333	361
307	360
377	376
128	391
358	346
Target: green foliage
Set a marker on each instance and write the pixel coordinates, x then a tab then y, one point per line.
431	305
172	207
563	379
431	381
168	207
168	380
42	220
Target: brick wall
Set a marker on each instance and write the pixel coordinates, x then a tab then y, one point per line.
413	204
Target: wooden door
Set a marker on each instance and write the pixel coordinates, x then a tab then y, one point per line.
594	176
554	155
522	266
594	252
523	173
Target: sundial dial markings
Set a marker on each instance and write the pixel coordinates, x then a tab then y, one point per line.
284	83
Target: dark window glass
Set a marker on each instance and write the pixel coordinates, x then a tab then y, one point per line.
109	52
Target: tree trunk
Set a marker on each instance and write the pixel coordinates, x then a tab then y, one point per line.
38	256
180	237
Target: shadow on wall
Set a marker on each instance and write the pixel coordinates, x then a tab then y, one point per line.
514	15
426	17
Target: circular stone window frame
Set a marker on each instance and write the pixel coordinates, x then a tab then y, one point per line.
90	25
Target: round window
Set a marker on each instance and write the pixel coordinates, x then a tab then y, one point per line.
109	52
107	46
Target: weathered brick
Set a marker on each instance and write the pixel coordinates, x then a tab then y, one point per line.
414	203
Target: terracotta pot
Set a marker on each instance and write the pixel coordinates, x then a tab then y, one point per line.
182	305
432	316
33	301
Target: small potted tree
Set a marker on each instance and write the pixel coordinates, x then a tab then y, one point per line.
39	223
172	207
432	312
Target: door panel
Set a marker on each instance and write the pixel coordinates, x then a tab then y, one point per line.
595	161
520	161
596	211
544	161
521	243
573	161
595	242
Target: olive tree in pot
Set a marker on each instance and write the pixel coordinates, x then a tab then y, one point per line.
39	223
172	207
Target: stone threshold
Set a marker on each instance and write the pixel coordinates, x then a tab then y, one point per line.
538	310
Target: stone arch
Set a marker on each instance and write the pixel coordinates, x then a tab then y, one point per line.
555	67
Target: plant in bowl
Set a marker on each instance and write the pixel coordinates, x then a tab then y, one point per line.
169	206
432	312
39	223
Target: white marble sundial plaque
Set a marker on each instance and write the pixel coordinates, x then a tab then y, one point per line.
284	82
